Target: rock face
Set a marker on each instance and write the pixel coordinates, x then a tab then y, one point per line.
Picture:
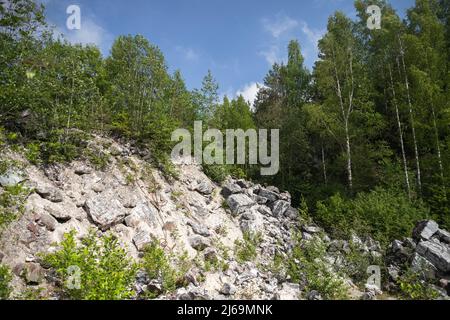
189	217
105	210
239	203
427	254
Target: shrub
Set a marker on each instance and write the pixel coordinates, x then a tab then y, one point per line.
412	287
5	279
97	158
383	214
307	265
246	249
157	266
106	273
12	201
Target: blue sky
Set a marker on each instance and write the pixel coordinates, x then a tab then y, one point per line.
237	40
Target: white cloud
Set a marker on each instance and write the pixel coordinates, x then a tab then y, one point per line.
280	25
249	92
188	53
272	55
313	36
90	34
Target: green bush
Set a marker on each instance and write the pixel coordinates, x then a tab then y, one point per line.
246	249
219	172
97	158
157	266
306	264
382	214
412	287
5	279
12	201
106	272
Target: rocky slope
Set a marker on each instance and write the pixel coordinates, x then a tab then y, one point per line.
189	215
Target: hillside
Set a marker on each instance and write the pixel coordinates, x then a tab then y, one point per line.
238	240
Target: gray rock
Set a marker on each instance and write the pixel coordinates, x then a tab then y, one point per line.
269	195
229	189
264	210
11	178
279	208
141	240
291	213
33	273
244	184
199	243
210	254
239	203
311	229
204	187
260	200
424	230
199	229
423	267
58	213
105	210
313	295
50	194
394	272
82	170
444	236
248	215
228	289
438	254
47	221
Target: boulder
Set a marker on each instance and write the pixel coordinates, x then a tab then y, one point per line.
49	193
141	240
204	187
199	229
229	189
279	208
424	230
33	273
268	194
199	243
58	213
47	221
227	289
443	236
82	170
423	267
105	210
244	184
436	253
11	178
288	291
311	229
239	203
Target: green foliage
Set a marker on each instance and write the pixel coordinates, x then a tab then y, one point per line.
5	279
157	265
107	273
412	287
246	250
97	158
307	264
383	214
12	202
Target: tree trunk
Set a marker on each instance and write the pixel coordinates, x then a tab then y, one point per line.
324	166
400	132
411	116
